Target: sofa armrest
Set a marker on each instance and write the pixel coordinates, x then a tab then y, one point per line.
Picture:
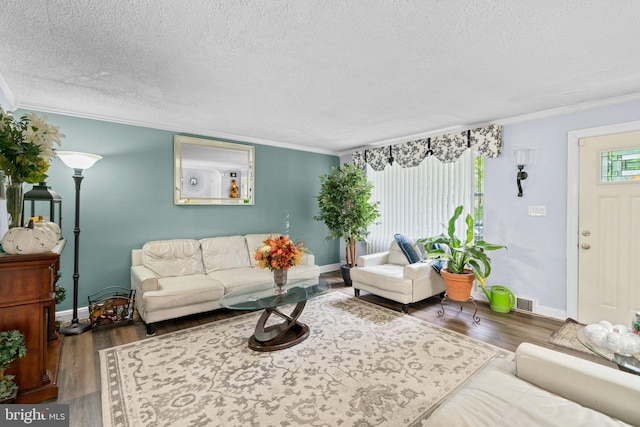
378	258
418	270
590	384
143	279
136	257
308	259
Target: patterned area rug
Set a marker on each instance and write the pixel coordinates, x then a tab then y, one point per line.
361	365
566	336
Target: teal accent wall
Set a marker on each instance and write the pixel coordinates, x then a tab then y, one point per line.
127	200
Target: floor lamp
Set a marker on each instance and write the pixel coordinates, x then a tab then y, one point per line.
78	162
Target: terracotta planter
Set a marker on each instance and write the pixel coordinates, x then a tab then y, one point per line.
458	286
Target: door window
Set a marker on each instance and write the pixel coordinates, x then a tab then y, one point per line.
620	165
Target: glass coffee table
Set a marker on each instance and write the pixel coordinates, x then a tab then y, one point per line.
625	363
279	335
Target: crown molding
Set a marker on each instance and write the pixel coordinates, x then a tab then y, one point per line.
262	141
505	121
191	131
569	109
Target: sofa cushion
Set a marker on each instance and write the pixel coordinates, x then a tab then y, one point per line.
240	277
303	271
396	256
407	248
388	277
181	291
169	258
224	253
255	241
437	264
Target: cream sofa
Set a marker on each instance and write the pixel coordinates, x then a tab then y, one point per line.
543	387
390	275
175	278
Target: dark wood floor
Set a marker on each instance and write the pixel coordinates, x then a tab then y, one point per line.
79	373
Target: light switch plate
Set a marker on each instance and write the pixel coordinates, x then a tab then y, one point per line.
537	211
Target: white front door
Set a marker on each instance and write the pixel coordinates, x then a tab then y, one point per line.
609	228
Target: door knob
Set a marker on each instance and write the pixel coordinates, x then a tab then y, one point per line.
585	246
586	233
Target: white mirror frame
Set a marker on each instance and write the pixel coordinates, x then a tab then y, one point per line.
205	170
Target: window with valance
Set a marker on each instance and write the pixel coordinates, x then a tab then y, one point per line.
419	183
486	141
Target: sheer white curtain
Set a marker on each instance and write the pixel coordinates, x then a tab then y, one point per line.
418	201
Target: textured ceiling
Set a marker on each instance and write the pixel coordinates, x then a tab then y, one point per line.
325	75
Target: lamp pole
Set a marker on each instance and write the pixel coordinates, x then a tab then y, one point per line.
77	161
76	327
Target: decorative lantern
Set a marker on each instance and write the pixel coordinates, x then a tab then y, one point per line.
44	202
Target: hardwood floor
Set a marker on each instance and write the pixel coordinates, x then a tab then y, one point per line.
79	384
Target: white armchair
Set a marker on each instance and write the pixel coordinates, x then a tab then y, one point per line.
390	275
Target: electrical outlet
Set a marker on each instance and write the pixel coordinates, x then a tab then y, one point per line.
537	211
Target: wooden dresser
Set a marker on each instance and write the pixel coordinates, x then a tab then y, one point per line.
27	303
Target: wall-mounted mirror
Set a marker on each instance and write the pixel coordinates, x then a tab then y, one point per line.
211	172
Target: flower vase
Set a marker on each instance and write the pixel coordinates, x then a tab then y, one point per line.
280	277
15	199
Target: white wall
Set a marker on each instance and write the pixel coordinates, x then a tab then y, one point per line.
535	265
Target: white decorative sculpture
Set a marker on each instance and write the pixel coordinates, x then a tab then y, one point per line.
615	338
28	240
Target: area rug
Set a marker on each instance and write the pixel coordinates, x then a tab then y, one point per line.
361	365
566	336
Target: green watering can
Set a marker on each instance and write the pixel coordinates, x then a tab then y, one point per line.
501	299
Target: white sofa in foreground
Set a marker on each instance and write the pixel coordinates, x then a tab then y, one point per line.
175	278
543	388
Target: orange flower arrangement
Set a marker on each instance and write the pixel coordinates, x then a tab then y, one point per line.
279	252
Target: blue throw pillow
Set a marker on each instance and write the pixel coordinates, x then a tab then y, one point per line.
437	264
406	245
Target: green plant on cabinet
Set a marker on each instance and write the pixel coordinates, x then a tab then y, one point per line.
11	348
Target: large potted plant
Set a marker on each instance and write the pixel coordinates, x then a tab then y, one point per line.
466	258
346	210
11	347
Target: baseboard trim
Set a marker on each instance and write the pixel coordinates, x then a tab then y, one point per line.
539	310
554	313
67	315
329	268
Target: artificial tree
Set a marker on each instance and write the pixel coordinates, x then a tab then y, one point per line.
345	207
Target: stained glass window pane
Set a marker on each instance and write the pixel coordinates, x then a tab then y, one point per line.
620	165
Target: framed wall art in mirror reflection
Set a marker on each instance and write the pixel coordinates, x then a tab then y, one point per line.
212	172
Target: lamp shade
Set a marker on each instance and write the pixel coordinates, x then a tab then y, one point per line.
522	156
77	160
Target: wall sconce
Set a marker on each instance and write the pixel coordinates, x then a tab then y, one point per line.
521	158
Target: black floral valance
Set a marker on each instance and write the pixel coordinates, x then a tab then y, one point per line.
487	141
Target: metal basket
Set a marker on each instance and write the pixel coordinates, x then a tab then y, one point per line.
111	305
